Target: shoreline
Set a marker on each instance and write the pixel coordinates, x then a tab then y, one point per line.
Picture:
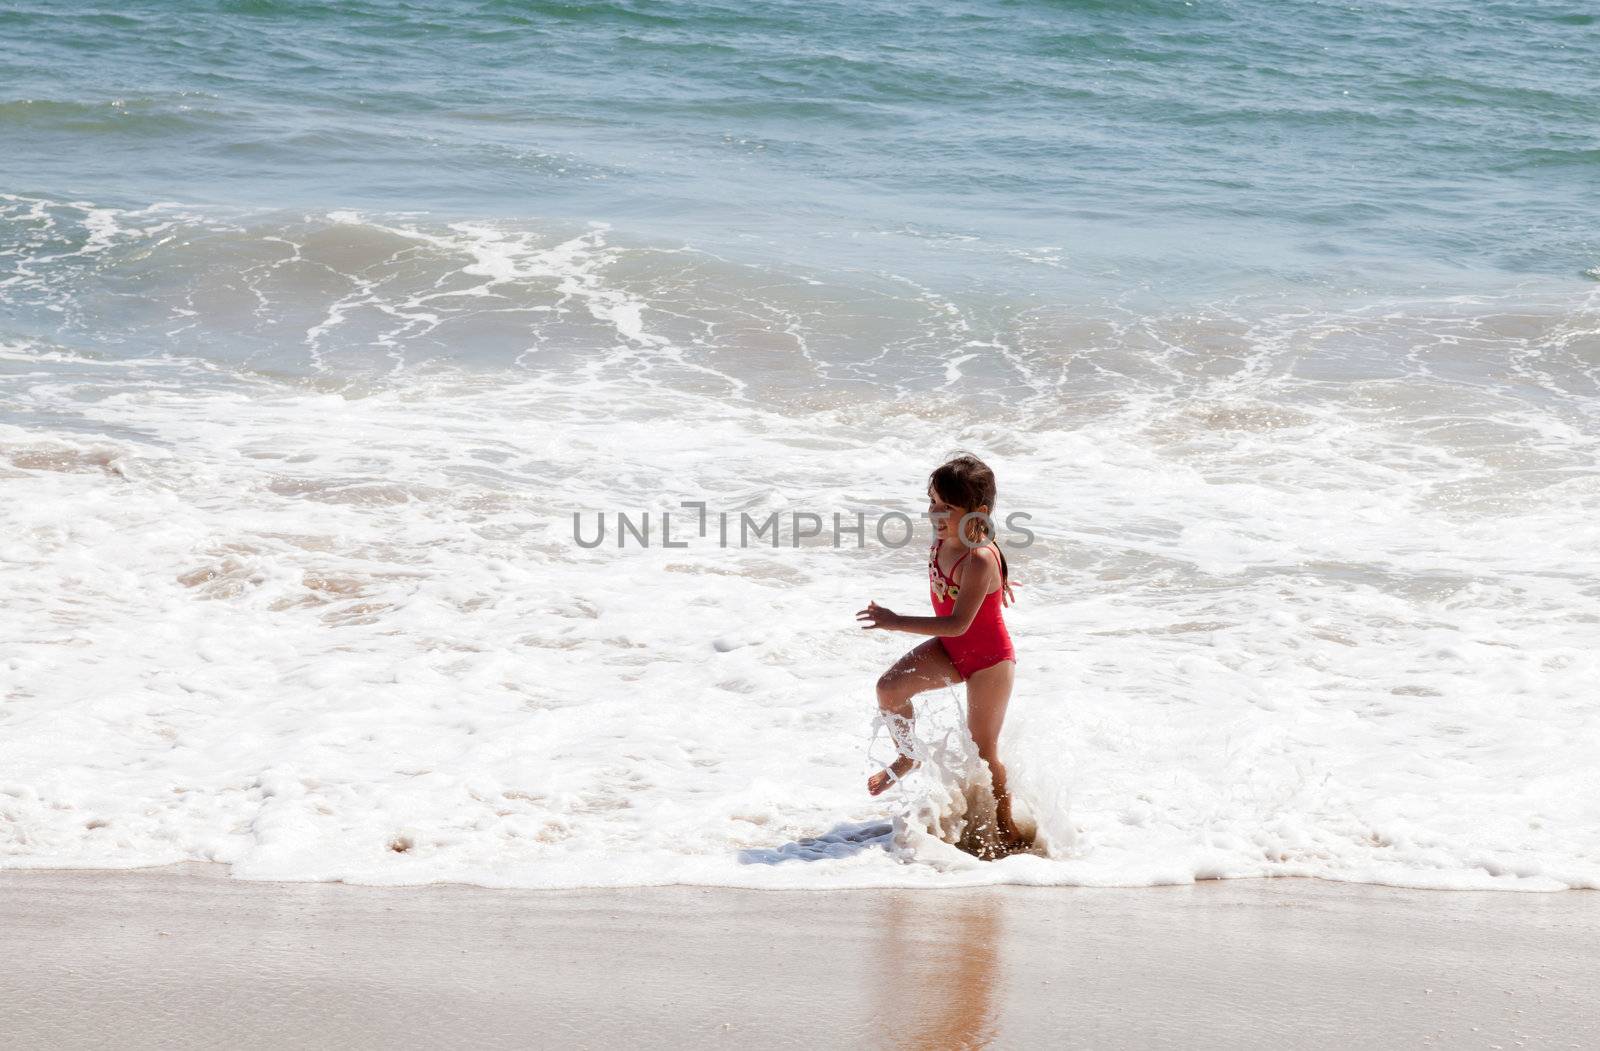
186	956
222	870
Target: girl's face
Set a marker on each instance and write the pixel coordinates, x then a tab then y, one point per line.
947	517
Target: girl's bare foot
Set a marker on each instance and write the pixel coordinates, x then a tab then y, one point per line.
1011	840
1002	841
1004	849
1014	842
884	778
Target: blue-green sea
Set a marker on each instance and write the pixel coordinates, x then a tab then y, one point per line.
320	322
1178	148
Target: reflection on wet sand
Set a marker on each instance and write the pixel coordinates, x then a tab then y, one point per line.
940	972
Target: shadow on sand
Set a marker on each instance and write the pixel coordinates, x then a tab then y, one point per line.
852	837
840	841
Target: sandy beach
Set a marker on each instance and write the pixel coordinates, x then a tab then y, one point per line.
187	957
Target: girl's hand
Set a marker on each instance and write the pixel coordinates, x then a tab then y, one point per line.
875	616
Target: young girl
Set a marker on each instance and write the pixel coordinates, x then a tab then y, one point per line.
967	583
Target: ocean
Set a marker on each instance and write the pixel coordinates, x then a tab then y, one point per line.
330	333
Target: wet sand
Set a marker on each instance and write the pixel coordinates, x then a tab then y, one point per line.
186	957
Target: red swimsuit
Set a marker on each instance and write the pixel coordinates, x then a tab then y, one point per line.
986	641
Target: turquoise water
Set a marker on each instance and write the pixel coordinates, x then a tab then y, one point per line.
1180	149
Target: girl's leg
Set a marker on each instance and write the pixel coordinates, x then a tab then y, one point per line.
924	667
988	693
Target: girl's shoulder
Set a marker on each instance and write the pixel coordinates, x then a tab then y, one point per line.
991	555
986	553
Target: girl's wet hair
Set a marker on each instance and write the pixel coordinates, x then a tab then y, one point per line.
964	481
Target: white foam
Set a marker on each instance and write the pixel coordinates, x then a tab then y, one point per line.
295	631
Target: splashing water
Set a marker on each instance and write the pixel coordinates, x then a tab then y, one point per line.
948	798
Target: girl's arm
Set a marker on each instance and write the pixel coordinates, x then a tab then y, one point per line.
974	583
